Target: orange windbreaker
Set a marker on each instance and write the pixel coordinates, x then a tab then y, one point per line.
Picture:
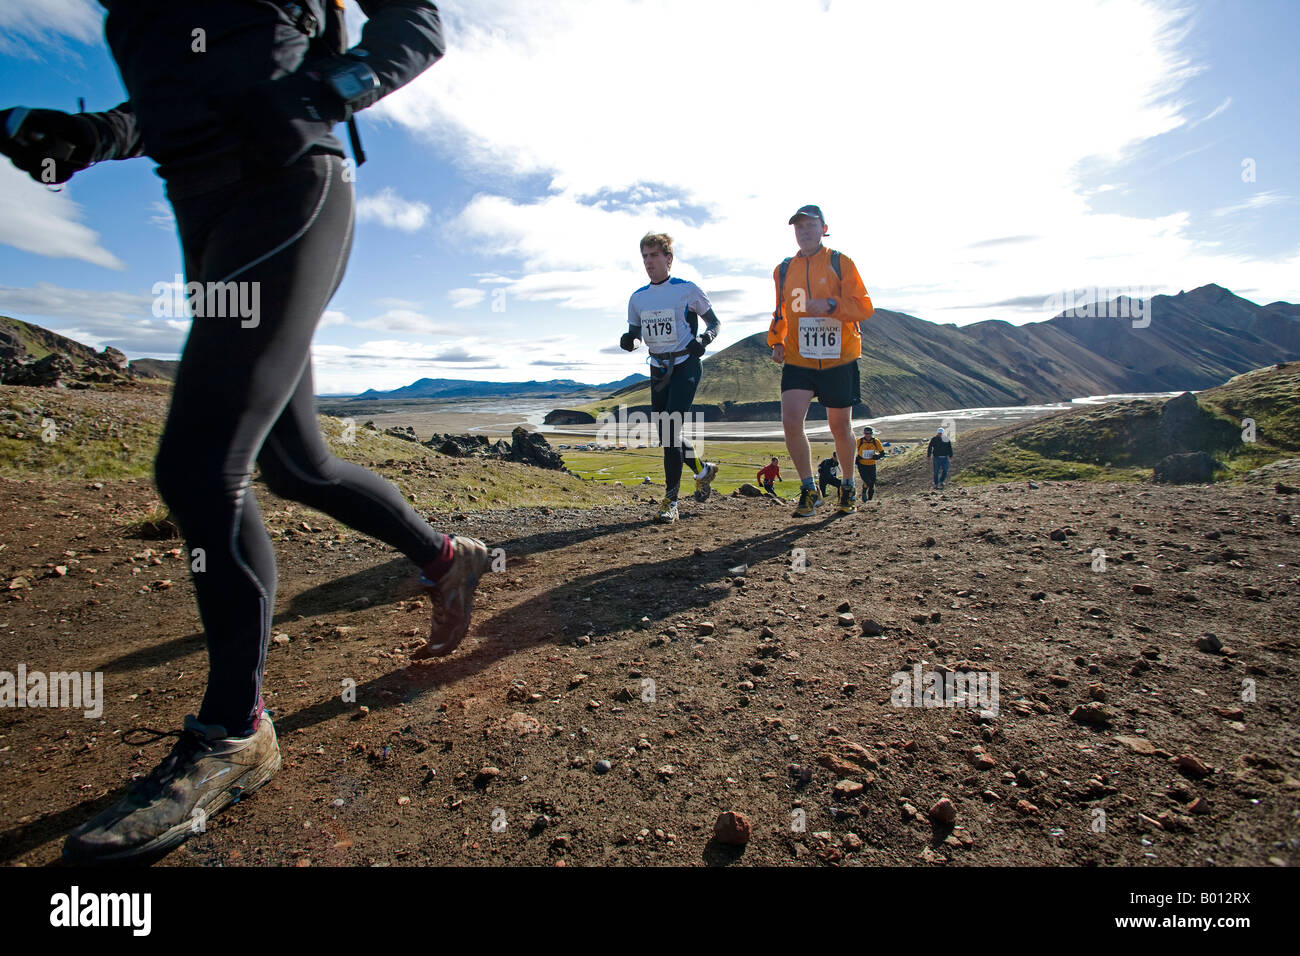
811	277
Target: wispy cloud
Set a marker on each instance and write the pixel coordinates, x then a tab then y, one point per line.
389	209
122	319
37	220
406	321
161	215
902	214
1260	200
1001	241
1221	108
466	298
25	27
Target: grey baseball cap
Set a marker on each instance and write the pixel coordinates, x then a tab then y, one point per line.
814	211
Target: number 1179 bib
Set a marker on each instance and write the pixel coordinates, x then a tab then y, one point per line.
819	337
658	330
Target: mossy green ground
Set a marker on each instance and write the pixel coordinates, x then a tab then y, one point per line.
737	461
1008	462
98	435
1116	442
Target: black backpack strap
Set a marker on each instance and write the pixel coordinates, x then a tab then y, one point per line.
836	268
304	18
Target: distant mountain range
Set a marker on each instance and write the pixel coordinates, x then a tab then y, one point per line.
1190	341
432	388
1194	340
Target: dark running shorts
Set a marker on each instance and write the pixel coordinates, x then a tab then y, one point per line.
837	387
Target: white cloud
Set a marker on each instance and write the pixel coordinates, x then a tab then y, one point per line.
466	298
1221	108
403	320
916	141
391	363
1258	201
389	209
47	23
161	215
332	317
56	302
35	219
122	319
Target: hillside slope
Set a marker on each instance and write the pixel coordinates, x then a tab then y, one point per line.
1123	440
1194	340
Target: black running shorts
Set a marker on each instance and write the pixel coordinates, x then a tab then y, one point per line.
836	387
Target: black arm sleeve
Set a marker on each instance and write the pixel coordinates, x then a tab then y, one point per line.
402	39
118	134
711	327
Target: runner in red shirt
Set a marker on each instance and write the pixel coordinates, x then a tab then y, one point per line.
768	477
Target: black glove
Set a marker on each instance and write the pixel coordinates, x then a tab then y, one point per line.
48	145
628	341
281	119
696	348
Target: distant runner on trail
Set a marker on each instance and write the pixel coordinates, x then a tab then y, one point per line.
828	473
869	452
820	299
264	206
940	449
665	315
769	476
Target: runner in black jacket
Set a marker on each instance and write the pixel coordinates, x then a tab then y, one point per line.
939	449
236	101
826	473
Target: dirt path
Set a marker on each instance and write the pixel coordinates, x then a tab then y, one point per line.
610	639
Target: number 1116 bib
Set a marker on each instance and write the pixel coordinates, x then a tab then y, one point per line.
819	337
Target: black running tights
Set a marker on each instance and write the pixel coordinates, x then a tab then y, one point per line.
243	393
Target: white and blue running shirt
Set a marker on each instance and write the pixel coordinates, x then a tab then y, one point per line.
657	313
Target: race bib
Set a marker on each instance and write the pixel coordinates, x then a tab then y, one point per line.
659	330
819	337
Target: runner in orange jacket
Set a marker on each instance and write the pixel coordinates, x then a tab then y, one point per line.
820	299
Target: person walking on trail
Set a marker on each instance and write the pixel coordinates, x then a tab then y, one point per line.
264	205
769	476
666	316
870	451
828	473
814	336
939	449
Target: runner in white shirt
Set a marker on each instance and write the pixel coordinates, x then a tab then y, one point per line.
665	315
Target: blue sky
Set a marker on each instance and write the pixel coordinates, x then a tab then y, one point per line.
973	159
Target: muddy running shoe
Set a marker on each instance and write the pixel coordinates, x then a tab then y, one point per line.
667	511
809	499
848	497
703	482
205	772
453	596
